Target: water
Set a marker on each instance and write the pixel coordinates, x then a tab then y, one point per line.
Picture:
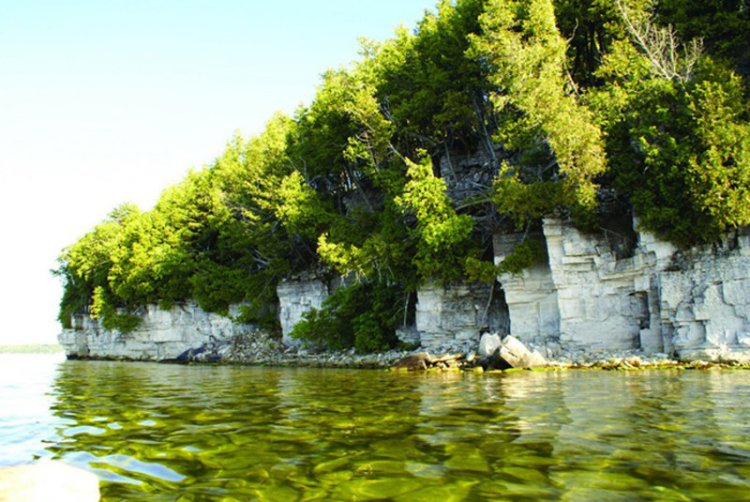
25	402
160	432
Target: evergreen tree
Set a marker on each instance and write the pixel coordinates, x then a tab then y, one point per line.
541	116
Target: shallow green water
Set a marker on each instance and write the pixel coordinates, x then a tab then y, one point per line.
158	432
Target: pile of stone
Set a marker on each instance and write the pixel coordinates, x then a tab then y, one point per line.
495	353
264	349
508	352
423	361
256	346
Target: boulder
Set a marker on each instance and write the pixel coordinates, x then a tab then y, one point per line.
512	353
488	344
419	361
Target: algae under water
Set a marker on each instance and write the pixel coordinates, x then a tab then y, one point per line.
163	432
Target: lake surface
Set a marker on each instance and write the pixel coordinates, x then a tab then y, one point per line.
161	432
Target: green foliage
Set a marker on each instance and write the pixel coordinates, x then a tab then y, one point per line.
443	236
523	256
591	27
525	202
300	209
122	322
680	150
384	252
113	319
85	266
527	56
213	238
362	315
723	25
351	212
435	92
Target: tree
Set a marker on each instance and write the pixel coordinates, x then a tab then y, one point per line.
540	115
85	266
722	25
442	236
678	140
432	90
590	27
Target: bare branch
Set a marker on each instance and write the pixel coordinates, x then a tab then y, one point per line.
662	47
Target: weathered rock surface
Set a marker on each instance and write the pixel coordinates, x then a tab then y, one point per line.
531	296
589	298
488	344
161	335
452	316
513	353
408	335
296	298
705	307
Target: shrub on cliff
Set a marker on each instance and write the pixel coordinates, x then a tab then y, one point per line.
363	316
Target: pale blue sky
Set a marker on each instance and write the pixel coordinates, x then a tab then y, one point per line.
109	101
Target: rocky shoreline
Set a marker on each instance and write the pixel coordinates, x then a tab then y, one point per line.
494	353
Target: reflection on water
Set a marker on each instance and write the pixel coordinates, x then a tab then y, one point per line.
25	421
202	433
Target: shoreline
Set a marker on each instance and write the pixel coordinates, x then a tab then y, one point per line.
490	351
464	364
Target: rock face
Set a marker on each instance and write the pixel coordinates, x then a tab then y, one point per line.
296	298
186	333
705	308
454	315
162	334
585	297
531	296
602	301
588	297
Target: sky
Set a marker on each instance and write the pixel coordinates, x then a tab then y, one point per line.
110	101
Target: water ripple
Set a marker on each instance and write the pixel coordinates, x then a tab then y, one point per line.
160	432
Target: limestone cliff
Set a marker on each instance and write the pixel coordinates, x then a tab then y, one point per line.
659	299
162	334
586	296
296	298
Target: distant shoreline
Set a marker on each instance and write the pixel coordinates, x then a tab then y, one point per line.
46	348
